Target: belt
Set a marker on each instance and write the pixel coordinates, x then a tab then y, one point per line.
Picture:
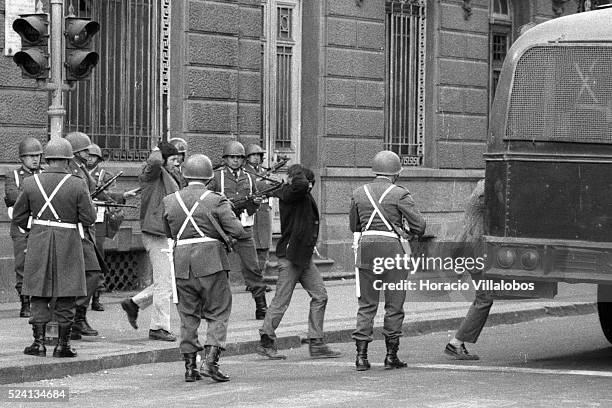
50	223
381	233
188	241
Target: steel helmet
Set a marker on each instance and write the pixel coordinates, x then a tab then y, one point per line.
254	149
198	166
233	148
386	163
30	146
58	148
79	141
95	150
179	143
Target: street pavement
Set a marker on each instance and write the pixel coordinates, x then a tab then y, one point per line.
560	362
118	345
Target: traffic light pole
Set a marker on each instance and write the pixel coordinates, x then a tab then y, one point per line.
56	86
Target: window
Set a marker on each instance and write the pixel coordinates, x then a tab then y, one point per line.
405	80
122	106
500	39
281	77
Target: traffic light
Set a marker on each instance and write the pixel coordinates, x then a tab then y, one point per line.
80	57
33	59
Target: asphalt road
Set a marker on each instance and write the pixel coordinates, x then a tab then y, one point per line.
552	362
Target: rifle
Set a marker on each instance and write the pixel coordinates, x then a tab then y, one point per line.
112	204
106	185
282	160
228	242
247	203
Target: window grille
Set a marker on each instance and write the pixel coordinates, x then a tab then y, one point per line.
500	39
405	79
120	107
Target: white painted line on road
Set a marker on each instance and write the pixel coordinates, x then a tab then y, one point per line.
500	369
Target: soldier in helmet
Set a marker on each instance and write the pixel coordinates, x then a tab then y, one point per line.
30	151
201	265
55	207
181	146
101	177
94	261
160	176
379	210
235	184
262	229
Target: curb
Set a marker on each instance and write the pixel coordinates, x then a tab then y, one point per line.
46	371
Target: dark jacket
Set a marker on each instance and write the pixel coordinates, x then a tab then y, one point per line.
13	184
299	216
156	183
54	264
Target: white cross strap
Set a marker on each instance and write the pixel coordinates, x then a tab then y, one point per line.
49	198
376	209
189	214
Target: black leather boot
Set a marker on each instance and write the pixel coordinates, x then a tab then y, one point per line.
63	348
191	369
81	326
267	348
391	360
25	306
95	302
260	307
210	367
361	362
38	347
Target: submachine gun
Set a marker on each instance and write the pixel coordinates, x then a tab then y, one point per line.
248	203
104	187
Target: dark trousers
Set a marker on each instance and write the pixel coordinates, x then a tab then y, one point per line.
20	243
476	317
100	241
92	280
208	297
288	276
253	276
368	304
62	309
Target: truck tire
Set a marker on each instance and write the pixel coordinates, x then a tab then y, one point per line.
604	309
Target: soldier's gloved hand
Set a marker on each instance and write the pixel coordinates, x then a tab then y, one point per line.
257	200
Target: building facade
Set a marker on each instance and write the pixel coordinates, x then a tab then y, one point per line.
327	83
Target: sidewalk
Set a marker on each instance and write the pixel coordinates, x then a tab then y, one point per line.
119	345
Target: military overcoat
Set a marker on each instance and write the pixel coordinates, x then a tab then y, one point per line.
203	258
262	230
398	205
54	265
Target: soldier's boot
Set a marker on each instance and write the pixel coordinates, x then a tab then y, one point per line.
361	361
25	306
38	347
81	326
318	349
391	359
210	367
95	302
63	348
191	368
260	307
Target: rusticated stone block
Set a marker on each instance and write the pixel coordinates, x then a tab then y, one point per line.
371	35
250	22
355	63
460	127
337	152
10	137
250	118
464	45
355	122
451	17
212	50
213	17
250	86
210	117
341	32
250	54
365	150
457	155
468	73
463	100
349	8
23	107
211	83
370	94
340	92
